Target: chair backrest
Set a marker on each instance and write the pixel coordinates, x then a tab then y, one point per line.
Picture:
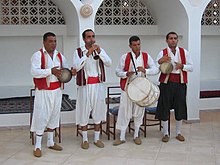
113	98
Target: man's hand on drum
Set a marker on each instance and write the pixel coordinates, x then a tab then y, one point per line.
129	74
178	66
141	69
73	71
164	59
55	71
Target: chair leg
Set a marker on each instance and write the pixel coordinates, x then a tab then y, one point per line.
59	134
129	127
101	128
107	127
160	126
145	124
114	129
32	137
169	125
77	130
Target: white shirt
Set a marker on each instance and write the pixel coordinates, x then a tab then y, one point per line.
176	58
151	70
36	70
91	66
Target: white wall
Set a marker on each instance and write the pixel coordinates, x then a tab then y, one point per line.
16	52
23	119
210	57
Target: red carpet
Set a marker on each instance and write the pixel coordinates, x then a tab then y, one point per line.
209	94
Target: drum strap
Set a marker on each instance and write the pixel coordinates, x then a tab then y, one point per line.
133	64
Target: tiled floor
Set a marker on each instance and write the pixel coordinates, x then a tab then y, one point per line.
202	147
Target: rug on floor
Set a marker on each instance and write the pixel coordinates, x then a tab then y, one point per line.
22	104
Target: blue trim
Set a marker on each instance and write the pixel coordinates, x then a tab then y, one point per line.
114	110
151	110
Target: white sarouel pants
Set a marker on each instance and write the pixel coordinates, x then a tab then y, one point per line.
47	106
90	100
127	110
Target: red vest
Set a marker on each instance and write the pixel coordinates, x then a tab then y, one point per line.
80	76
183	74
41	83
123	81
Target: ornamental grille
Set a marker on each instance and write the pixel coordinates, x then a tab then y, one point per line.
123	12
30	12
211	14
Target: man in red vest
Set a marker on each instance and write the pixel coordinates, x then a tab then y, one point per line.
173	85
90	61
45	69
131	63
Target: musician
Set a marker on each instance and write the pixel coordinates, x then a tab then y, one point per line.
90	61
45	69
131	63
173	85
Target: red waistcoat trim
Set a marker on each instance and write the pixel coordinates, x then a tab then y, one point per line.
183	60
127	64
41	83
80	76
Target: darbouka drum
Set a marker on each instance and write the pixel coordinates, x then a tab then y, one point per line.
166	67
142	91
66	75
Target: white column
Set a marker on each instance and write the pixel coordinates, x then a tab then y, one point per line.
86	22
194	9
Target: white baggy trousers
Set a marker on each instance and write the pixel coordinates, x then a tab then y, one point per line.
47	106
127	110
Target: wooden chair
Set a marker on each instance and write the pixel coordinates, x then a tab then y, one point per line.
149	120
112	102
112	113
32	137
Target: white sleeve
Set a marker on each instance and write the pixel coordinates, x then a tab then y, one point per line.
64	61
78	62
188	67
105	58
152	69
120	68
159	56
36	70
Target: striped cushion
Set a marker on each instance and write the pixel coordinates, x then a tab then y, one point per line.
151	110
114	110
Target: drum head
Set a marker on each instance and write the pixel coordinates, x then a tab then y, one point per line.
66	75
138	89
166	67
152	98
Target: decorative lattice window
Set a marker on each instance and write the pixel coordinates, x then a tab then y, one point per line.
30	12
123	12
211	14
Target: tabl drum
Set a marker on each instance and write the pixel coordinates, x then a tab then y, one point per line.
142	91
